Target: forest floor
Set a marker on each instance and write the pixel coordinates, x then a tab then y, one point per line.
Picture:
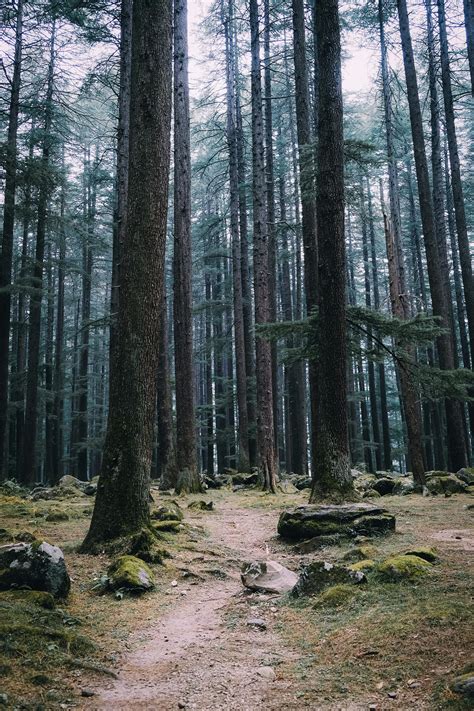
188	644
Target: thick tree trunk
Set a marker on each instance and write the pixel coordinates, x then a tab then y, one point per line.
58	375
188	476
332	476
166	454
265	433
456	444
31	407
6	261
123	493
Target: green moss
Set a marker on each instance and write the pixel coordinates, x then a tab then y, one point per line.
403	567
167	526
363	565
360	553
143	545
336	596
130	573
172	512
425	552
30	636
29	597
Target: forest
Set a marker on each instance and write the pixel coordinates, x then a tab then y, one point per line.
236	354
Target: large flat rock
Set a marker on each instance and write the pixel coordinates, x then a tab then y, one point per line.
313	520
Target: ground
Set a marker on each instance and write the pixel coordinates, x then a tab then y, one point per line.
188	644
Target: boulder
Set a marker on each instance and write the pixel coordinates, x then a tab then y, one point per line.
425	552
464	685
348	520
37	565
242	479
300	481
397	568
90	489
130	573
384	485
364	482
447	484
319	575
286	487
403	486
168	512
466	475
72	482
268	576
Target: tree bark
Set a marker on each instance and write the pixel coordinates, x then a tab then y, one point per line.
332	461
123	492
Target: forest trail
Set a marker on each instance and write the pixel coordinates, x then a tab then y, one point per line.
202	654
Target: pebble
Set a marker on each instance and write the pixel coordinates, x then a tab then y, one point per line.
257	622
87	693
266	673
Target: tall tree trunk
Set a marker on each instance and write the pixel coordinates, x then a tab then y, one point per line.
7	240
188	477
123	134
265	432
166	454
58	376
455	440
239	333
31	407
469	25
332	461
456	181
123	492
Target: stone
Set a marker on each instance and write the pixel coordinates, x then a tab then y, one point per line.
167	512
319	575
364	482
371	494
242	479
464	685
384	485
87	693
447	484
268	576
399	568
286	487
348	520
466	475
267	673
71	481
336	596
301	482
130	573
201	505
257	622
37	565
403	486
90	489
425	552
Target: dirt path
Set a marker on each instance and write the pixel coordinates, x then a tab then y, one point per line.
203	654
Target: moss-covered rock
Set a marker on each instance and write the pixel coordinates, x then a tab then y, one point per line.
37	565
360	553
336	596
363	566
56	516
404	486
29	597
424	552
371	494
448	484
348	520
398	568
464	685
319	575
169	512
466	475
201	505
130	573
384	485
167	526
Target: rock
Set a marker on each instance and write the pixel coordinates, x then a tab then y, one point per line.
363	565
90	489
214	482
57	516
447	484
168	512
356	473
130	573
42	492
37	565
257	622
464	685
300	481
384	486
371	494
403	567
319	575
364	482
266	673
286	487
201	505
3	699
72	482
268	576
466	475
403	486
428	554
351	520
435	474
87	693
336	596
245	479
360	553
